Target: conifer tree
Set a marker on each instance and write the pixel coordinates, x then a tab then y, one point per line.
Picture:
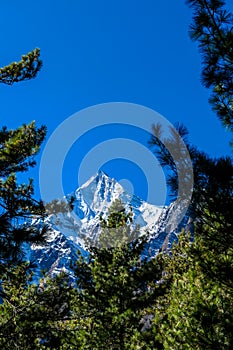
17	151
32	316
196	313
115	286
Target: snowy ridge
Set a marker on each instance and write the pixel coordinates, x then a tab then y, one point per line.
70	230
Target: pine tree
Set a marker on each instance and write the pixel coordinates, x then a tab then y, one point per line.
196	312
17	151
117	230
32	316
116	286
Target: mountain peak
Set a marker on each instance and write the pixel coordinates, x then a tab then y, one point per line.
98	177
102	173
99	190
92	200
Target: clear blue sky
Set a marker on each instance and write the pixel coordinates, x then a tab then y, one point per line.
106	51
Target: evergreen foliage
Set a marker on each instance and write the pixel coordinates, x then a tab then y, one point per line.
117	229
17	206
212	29
182	300
196	312
25	69
115	287
34	317
213	177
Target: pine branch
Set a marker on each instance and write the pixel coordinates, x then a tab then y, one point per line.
212	27
25	69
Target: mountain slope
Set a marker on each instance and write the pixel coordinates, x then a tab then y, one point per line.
92	200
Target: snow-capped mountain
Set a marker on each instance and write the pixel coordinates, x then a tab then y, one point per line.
69	230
